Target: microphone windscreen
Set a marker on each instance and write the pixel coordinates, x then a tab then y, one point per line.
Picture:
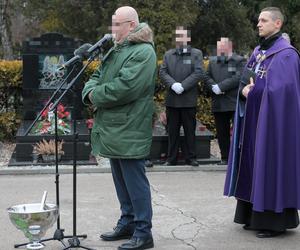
82	51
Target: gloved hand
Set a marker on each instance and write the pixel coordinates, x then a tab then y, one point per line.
216	89
177	88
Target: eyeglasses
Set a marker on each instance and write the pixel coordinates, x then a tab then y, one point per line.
119	23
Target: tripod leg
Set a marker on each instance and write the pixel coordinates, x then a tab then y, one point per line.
75	243
86	248
21	245
46	239
25	244
69	247
84	236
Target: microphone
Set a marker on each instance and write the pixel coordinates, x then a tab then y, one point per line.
83	50
79	54
97	46
86	50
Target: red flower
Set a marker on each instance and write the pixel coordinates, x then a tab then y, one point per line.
45	113
60	115
60	108
89	123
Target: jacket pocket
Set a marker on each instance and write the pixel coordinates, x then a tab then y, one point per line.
114	118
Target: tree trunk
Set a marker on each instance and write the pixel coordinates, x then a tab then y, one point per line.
4	31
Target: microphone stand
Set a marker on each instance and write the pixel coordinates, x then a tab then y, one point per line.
59	233
74	239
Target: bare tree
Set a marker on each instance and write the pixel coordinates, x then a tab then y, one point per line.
5	31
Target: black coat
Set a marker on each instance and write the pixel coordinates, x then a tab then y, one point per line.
186	68
225	72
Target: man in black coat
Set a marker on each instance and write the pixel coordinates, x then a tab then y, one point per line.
180	73
222	81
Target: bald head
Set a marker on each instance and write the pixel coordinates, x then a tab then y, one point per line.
124	21
128	13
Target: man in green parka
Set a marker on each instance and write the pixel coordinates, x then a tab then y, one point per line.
121	92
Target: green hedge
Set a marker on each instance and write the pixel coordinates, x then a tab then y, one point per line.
11	98
9	123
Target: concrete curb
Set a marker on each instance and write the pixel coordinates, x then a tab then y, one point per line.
66	169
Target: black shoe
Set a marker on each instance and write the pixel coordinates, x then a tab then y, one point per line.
167	163
247	227
223	162
193	163
148	164
119	233
268	233
136	243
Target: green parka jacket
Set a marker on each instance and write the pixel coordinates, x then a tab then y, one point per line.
122	94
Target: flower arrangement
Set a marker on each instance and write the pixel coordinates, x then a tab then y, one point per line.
46	124
48	147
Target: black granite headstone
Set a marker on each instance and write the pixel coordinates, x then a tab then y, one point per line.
42	56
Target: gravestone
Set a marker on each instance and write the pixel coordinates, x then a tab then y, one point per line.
159	147
41	59
42	56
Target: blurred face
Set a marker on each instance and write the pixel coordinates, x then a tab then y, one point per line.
224	47
121	27
182	37
266	25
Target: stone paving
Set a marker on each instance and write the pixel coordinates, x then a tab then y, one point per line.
189	211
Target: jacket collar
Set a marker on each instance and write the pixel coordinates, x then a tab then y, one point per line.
223	59
265	44
141	34
181	51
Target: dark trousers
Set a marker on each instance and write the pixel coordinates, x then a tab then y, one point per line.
223	121
175	118
133	191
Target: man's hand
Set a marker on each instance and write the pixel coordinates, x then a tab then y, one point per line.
90	96
248	88
216	89
177	88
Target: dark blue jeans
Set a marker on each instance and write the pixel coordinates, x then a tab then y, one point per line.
133	191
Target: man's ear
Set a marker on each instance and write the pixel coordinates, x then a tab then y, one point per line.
278	23
132	25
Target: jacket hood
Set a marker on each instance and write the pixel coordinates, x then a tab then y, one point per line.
141	34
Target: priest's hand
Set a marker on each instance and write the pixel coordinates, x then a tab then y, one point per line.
248	88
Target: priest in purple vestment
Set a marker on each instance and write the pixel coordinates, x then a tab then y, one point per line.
264	161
